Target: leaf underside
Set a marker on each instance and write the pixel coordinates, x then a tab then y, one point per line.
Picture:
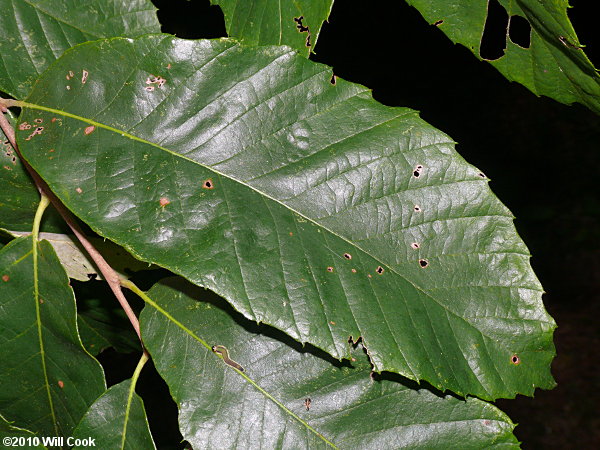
219	408
553	65
307	205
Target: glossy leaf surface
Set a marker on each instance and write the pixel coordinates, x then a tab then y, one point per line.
33	33
114	425
273	22
47	380
293	397
553	65
307	205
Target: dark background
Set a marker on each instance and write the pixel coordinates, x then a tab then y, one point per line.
541	156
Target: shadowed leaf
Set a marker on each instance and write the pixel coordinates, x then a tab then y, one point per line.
47	379
292	398
115	425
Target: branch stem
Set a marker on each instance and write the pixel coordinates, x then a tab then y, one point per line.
109	274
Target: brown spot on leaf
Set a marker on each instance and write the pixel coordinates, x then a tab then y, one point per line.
307	402
38	120
515	360
78	190
347	256
423	263
332	322
89	130
5	278
208	184
567	43
379	270
42	300
159	81
84	76
415	245
38	130
353	270
417	208
164	201
61	384
438	22
330	269
291	234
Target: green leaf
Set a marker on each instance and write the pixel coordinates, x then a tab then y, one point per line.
308	206
554	65
19	197
116	420
102	321
220	407
47	379
273	22
34	33
10	432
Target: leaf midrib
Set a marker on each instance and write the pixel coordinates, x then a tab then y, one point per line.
263	391
219	173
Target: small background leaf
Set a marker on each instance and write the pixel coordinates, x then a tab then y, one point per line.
554	65
106	418
102	321
274	22
220	409
72	379
34	33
